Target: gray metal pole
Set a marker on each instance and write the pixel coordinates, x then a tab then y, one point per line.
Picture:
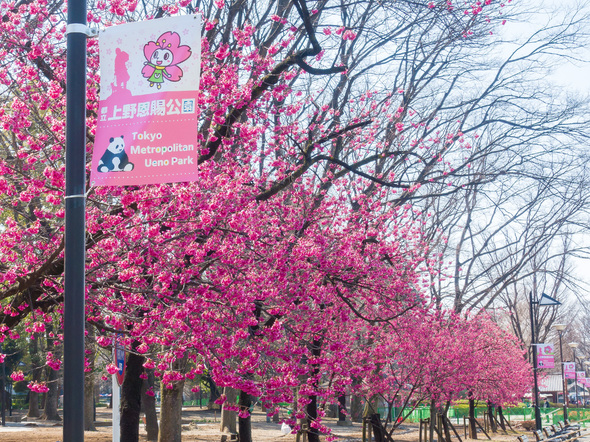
538	424
563	381
75	243
576	378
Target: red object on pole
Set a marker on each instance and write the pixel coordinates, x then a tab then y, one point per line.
120	360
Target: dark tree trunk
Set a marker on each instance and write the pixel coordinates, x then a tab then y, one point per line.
312	406
213	392
148	405
131	396
445	422
472	427
371	414
312	414
491	417
377	427
37	373
432	425
89	383
52	376
245	423
501	418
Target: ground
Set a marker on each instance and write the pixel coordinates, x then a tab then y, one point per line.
199	424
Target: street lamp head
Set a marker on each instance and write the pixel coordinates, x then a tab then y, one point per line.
574	345
559	327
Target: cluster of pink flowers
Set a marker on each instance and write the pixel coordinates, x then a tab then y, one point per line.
38	387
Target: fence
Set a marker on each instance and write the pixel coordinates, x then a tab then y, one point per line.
197	403
456	414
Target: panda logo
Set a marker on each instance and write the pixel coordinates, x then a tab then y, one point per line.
115	159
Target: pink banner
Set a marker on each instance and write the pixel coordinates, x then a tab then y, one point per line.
545	362
148	116
569	370
545	356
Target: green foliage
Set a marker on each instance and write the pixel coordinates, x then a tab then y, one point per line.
20	387
14	355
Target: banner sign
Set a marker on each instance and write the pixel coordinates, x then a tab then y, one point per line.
569	370
581	375
120	359
148	117
545	356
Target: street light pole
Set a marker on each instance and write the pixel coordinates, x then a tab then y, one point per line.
560	328
75	223
545	301
538	424
573	346
582	363
581	359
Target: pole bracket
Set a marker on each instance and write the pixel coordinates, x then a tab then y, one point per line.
79	28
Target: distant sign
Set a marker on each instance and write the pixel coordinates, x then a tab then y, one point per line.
148	116
120	359
569	370
545	356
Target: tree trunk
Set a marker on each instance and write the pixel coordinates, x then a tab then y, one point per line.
52	376
377	427
213	393
89	384
312	414
472	427
228	417
89	402
501	418
371	413
445	422
341	408
312	406
245	423
356	408
493	425
131	396
37	373
50	412
432	425
171	413
148	405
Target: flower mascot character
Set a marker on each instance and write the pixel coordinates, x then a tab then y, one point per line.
164	56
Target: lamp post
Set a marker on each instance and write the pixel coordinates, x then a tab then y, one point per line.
573	346
560	328
545	301
583	362
586	363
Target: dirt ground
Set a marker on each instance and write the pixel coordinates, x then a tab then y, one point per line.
199	424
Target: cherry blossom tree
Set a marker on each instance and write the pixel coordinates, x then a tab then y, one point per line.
300	249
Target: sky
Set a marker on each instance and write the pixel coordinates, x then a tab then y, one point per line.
573	79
